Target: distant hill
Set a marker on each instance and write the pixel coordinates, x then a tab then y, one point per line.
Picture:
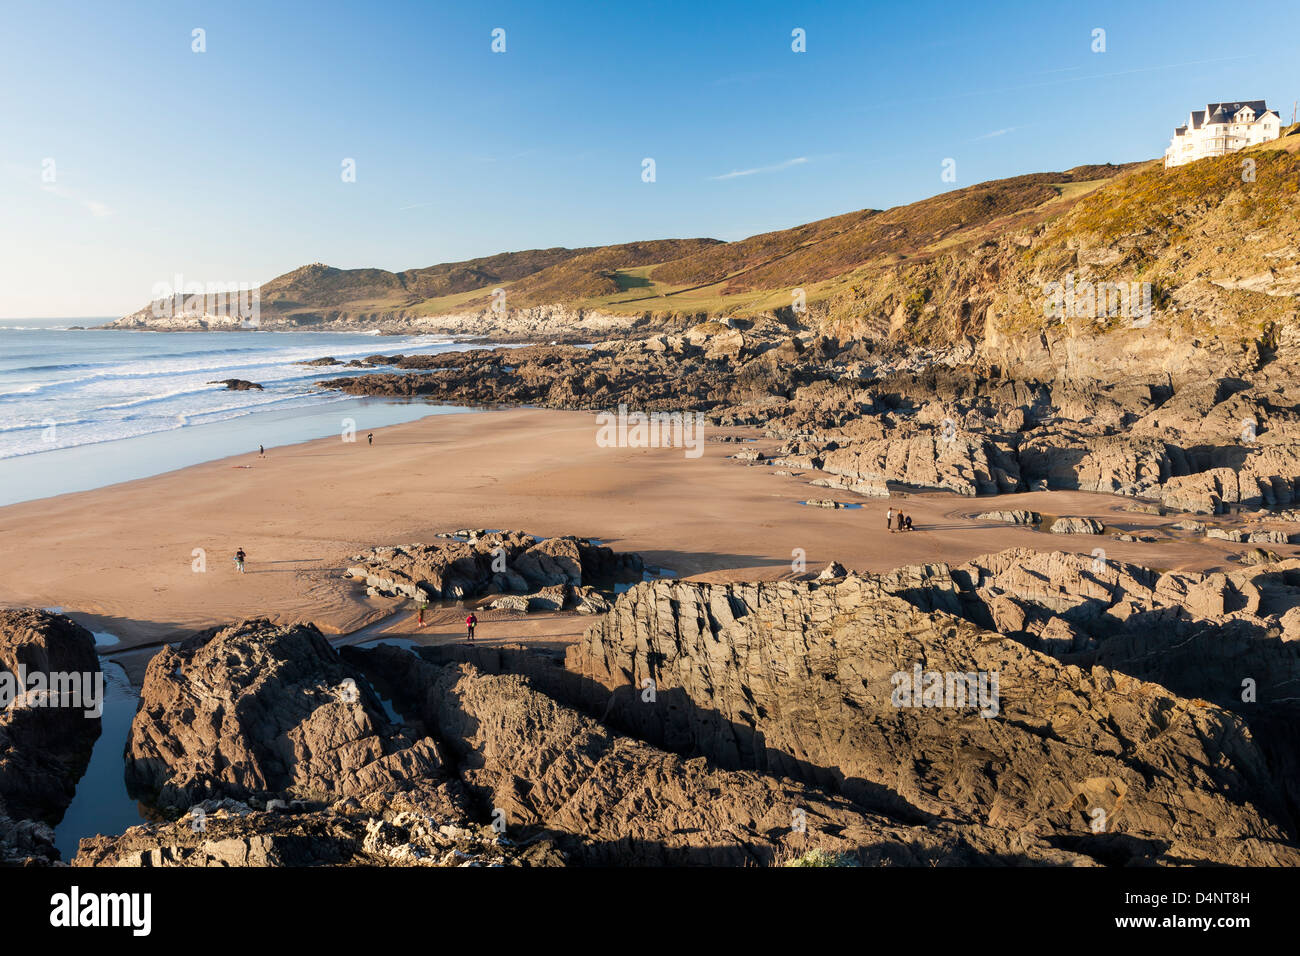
963	264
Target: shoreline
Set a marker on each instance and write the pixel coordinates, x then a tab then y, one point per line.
67	470
154	408
119	558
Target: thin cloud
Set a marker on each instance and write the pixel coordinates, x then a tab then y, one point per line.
98	209
996	133
737	173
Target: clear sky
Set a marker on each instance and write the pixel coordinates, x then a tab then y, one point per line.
226	165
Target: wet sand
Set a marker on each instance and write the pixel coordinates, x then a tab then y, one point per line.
122	558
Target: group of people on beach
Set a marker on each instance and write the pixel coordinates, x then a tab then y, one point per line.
897	521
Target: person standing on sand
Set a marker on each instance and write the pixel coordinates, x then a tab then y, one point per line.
889	519
370	438
419	620
469	624
239	560
899	520
261	452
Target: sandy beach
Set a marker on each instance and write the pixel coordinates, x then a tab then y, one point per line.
122	558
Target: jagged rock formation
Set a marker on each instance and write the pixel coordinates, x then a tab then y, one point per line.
378	830
256	710
796	679
1077	526
1025	707
612	799
280	755
45	737
474	563
1233	639
1010	517
861	416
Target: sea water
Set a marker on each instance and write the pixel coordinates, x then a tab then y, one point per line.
84	408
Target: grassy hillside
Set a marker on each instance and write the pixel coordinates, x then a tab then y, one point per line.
1211	242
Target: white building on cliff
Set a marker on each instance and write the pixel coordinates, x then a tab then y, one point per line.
1222	128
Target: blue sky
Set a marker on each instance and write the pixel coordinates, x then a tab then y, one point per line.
226	165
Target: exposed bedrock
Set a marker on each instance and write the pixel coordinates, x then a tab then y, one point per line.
48	726
381	829
610	798
866	414
280	754
265	711
1232	639
478	563
796	680
1084	711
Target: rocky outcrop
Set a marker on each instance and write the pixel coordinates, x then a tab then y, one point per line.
611	799
237	385
392	830
665	373
1226	638
1010	517
472	563
1077	526
48	726
967	465
799	680
267	711
1026	707
860	416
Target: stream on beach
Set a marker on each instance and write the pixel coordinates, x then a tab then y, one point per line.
101	804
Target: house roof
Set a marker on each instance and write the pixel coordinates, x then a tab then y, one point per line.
1223	112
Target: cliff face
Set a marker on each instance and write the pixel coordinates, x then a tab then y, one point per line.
1210	252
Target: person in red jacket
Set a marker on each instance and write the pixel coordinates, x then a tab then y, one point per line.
469	624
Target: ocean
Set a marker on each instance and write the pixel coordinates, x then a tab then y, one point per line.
81	409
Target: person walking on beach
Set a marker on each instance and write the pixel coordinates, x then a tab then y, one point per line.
370	438
261	452
419	620
239	560
889	519
469	624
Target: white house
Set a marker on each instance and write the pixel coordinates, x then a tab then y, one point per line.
1222	128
